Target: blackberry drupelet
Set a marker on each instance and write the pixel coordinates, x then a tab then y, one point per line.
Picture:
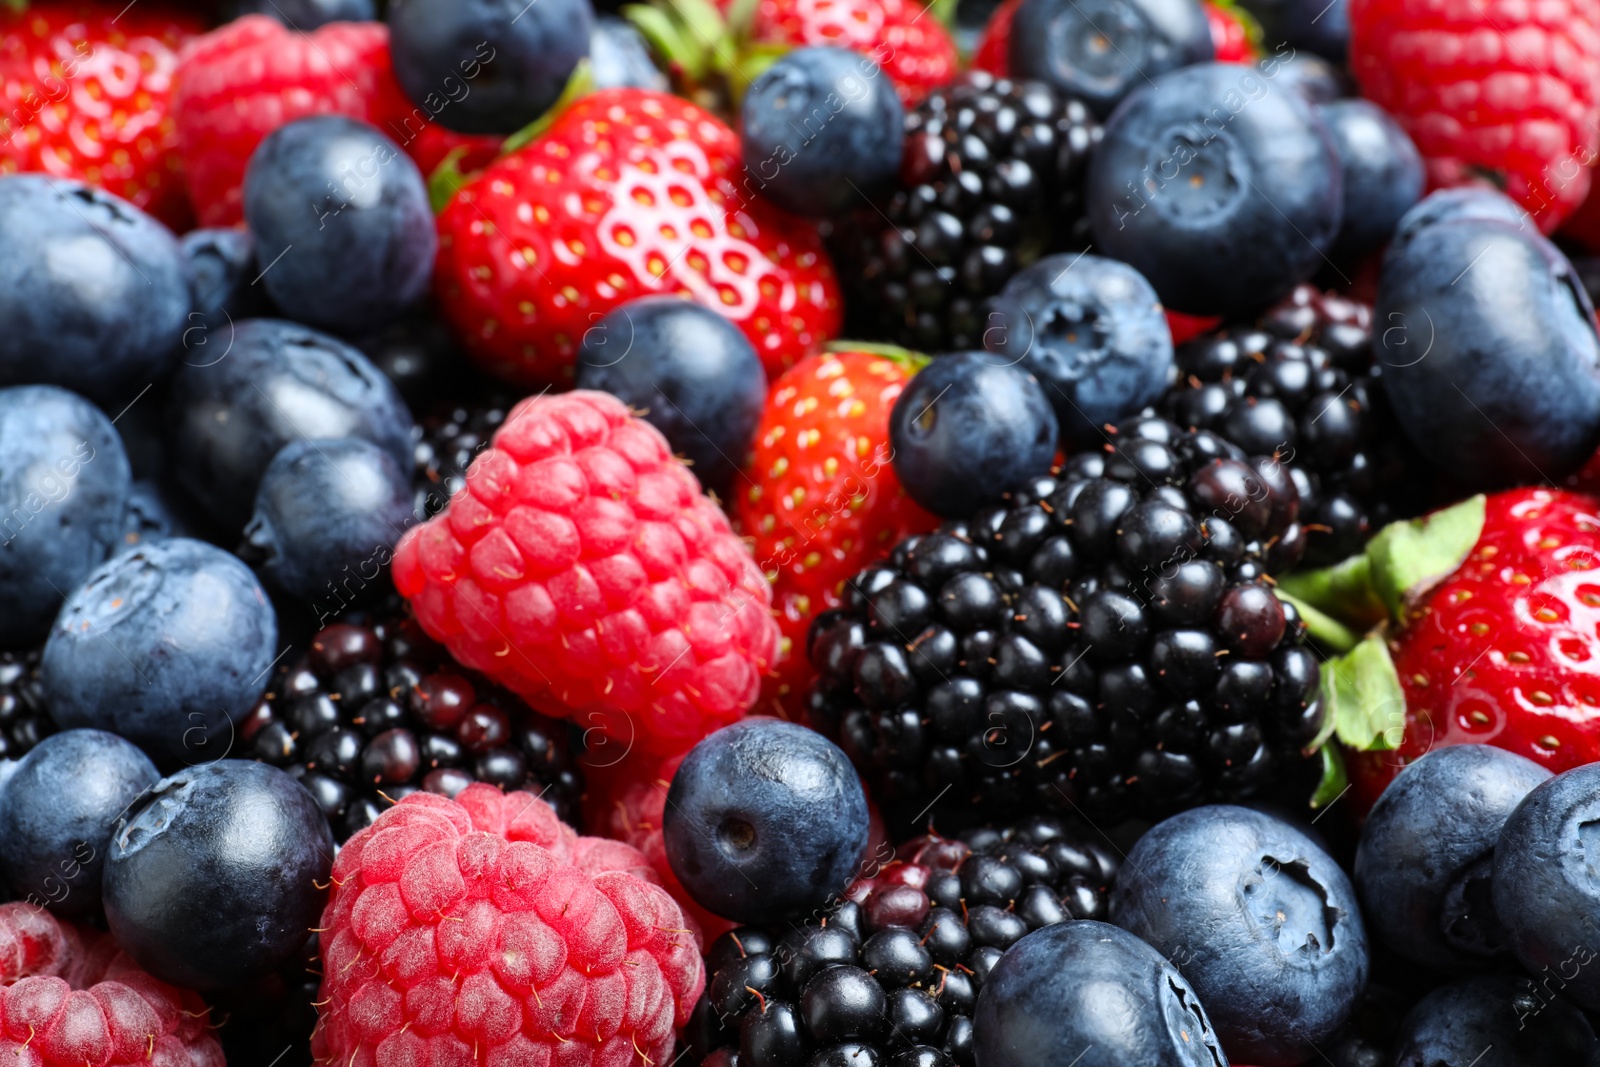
896	967
1107	643
448	441
24	719
1301	384
376	710
991	179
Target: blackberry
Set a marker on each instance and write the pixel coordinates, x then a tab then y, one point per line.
375	710
890	975
991	179
1301	384
24	719
448	441
1107	643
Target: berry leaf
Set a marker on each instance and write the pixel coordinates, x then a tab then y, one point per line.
1331	635
1335	780
1362	696
1409	558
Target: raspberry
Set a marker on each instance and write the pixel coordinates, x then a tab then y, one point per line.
483	930
70	997
1493	91
583	569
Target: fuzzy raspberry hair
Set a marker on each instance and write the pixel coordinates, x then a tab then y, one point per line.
482	930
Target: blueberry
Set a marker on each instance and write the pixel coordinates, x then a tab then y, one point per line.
1092	331
344	231
279	383
168	646
1089	990
1218	185
216	873
820	131
1488	352
1100	50
487	66
152	514
1381	172
1545	891
691	371
970	427
92	290
1321	27
1465	202
619	57
1260	920
1308	75
1426	852
56	813
219	266
327	508
1525	1025
764	820
304	15
63	487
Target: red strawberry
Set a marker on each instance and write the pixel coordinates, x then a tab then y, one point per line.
910	44
821	500
628	193
1504	651
1493	91
993	53
86	87
1230	32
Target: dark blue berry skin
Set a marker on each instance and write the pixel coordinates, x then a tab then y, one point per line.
1310	76
217	872
1524	1024
92	291
1100	52
487	66
304	15
1381	170
326	509
63	487
1321	27
220	265
1423	865
1261	921
168	646
1218	185
1088	994
693	373
619	57
280	382
56	814
820	131
1092	331
765	820
1544	884
1487	343
344	231
155	513
1465	202
969	428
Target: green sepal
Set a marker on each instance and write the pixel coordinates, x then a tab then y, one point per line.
578	84
706	24
667	40
1343	591
753	61
447	178
905	357
1409	558
944	11
742	18
1361	694
1335	779
1330	635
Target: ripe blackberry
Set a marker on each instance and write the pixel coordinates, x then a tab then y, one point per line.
376	710
24	720
890	975
449	440
1301	384
1106	643
991	179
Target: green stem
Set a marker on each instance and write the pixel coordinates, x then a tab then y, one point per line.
1334	637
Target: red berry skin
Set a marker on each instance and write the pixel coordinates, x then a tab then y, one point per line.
1506	651
85	92
582	568
69	997
917	52
1500	92
1229	36
482	930
628	193
993	53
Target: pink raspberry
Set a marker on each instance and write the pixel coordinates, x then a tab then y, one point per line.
482	930
70	998
582	568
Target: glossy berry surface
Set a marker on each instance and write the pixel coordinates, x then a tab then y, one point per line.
305	15
1511	1014
1381	170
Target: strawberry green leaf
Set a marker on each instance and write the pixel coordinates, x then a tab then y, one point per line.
447	178
905	357
1361	693
1331	636
669	39
1335	780
944	11
751	63
706	27
579	84
1343	592
1409	558
742	18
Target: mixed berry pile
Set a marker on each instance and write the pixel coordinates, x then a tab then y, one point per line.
799	533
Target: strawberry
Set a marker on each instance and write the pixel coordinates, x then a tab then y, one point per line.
1492	636
86	87
993	53
822	500
627	193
